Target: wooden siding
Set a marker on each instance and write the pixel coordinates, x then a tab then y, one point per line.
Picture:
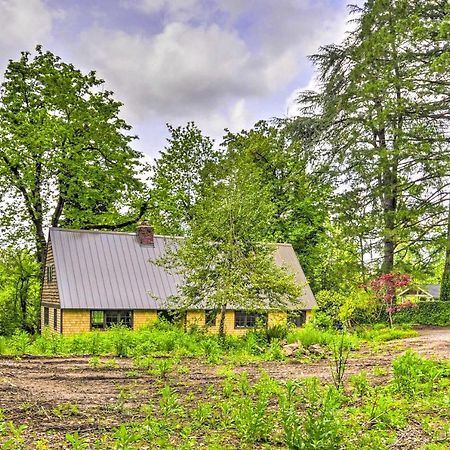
75	321
79	321
277	318
143	317
52	311
195	319
50	292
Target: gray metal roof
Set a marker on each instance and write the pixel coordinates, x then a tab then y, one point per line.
434	290
111	270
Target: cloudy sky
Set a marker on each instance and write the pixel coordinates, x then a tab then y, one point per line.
220	63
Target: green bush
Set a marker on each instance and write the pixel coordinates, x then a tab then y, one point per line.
416	375
426	313
384	333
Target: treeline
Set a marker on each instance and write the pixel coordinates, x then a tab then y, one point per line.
358	182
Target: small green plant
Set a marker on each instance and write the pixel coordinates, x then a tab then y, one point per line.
111	364
339	361
183	370
360	384
318	426
121	339
252	420
202	413
124	437
169	404
162	368
413	374
379	371
95	362
20	341
76	442
66	409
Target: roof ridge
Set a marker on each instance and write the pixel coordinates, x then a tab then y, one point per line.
122	233
130	233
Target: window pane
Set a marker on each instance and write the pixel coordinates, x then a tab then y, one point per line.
168	315
55	319
118	318
243	319
46	316
210	317
97	318
297	318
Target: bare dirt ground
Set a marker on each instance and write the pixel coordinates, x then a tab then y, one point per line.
53	396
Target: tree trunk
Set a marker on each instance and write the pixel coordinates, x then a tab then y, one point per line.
41	244
445	283
223	310
389	213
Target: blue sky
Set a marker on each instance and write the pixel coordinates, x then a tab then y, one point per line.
220	63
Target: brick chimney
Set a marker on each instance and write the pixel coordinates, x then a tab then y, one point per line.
144	234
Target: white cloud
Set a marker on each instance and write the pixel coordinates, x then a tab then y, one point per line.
189	68
183	69
292	106
23	24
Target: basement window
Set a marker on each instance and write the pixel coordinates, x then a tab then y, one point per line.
296	318
105	319
244	319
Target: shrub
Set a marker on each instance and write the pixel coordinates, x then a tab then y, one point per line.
413	374
426	313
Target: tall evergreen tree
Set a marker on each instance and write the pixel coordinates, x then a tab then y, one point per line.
380	120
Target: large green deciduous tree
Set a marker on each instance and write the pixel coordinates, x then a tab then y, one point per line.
181	176
298	198
65	155
380	121
223	260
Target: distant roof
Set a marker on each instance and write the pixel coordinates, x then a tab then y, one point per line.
433	289
111	270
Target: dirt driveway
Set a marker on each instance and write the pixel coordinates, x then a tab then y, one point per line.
58	395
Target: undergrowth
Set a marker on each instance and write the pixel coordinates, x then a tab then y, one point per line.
264	413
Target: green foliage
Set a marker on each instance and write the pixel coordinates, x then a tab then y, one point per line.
65	152
316	426
355	306
182	175
384	333
339	360
19	291
297	197
310	335
76	442
267	413
379	112
426	313
224	260
445	286
414	375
